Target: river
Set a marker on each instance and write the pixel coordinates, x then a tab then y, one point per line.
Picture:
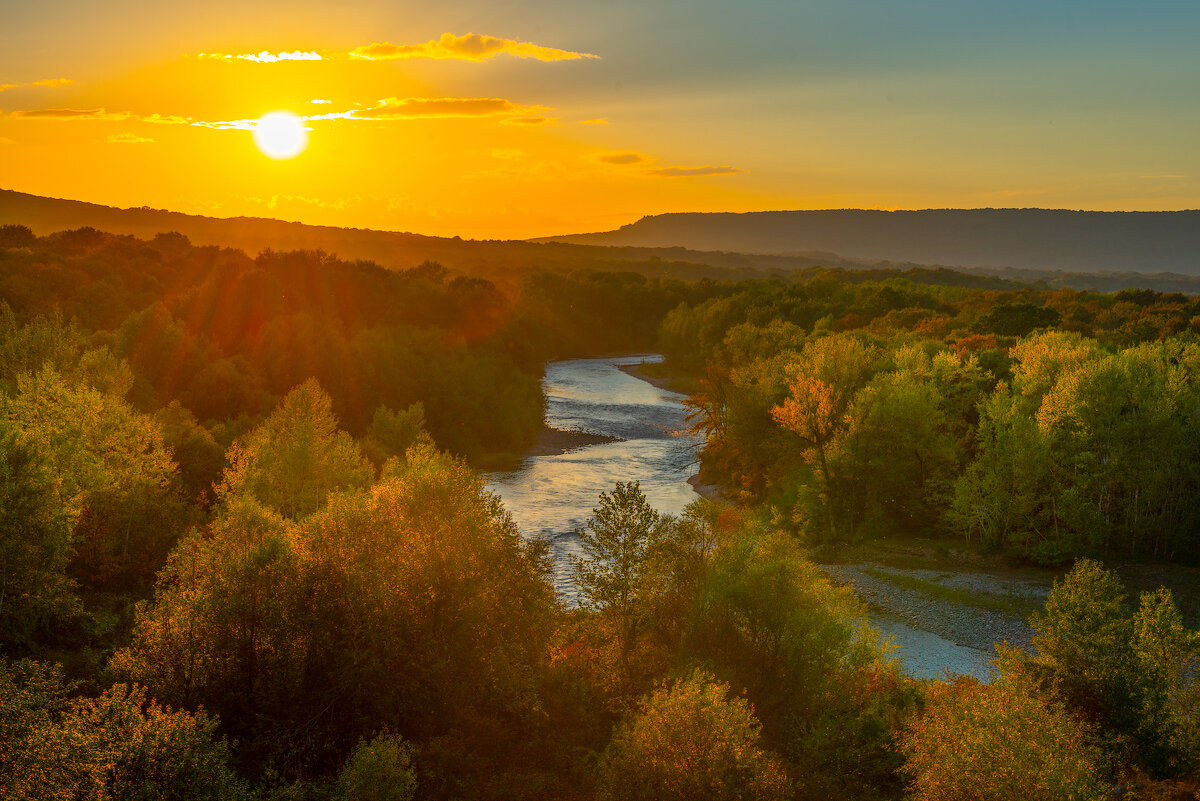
551	496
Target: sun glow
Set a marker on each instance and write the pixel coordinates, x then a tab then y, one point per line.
280	135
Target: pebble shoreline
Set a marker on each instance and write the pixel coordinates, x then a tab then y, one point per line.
970	626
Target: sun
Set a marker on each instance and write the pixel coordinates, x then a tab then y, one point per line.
280	135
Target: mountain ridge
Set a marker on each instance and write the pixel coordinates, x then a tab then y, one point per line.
1037	239
503	261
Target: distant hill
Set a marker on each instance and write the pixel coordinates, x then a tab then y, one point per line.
504	261
493	259
1037	239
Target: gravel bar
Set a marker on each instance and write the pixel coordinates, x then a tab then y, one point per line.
967	625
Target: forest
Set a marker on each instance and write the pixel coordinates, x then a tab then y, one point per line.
246	552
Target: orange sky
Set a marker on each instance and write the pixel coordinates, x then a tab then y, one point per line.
538	118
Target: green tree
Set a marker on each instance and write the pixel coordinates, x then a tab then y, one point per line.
200	457
1168	655
1016	319
897	456
618	541
35	547
768	621
425	578
1131	673
114	476
391	433
688	742
296	458
223	629
379	769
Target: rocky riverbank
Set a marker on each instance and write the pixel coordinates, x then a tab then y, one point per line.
970	609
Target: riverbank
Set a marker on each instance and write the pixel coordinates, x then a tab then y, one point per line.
654	373
973	610
555	441
710	492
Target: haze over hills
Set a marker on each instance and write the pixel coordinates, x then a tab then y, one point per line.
491	258
1037	239
642	247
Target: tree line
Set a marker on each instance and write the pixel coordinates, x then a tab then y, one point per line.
1008	423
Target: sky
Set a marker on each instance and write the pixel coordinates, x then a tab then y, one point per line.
523	118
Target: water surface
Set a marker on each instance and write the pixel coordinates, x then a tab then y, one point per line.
551	497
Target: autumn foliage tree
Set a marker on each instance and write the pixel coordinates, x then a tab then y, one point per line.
997	742
691	741
823	382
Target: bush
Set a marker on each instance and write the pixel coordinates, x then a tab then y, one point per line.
378	770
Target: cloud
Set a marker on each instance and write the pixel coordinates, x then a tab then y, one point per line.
391	108
164	119
127	139
265	57
100	114
44	82
597	121
470	47
676	172
73	114
419	107
319	100
538	120
621	158
4	140
249	125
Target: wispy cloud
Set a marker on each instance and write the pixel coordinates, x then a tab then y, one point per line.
596	121
535	120
73	114
127	139
250	124
4	87
417	107
4	140
164	119
469	47
100	114
265	57
319	101
391	108
678	172
621	158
